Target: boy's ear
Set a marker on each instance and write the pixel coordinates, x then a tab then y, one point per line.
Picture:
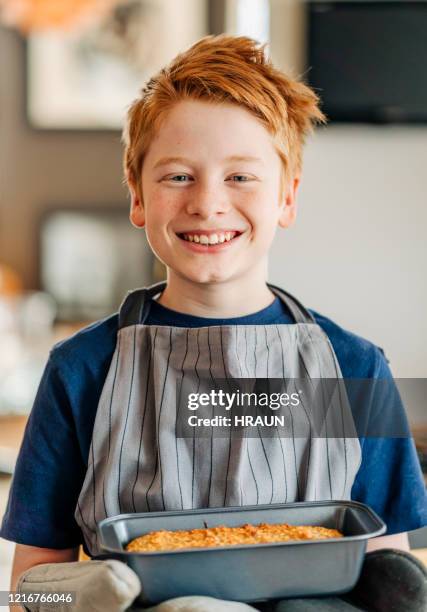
136	215
289	203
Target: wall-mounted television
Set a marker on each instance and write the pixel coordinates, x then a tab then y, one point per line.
368	59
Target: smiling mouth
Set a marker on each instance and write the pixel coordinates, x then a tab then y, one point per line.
209	239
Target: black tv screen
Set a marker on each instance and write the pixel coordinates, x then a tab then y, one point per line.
368	60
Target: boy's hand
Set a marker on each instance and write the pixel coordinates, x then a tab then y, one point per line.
94	585
398	540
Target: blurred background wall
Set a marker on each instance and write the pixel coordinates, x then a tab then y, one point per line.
42	169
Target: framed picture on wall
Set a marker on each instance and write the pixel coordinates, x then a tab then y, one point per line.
90	258
86	78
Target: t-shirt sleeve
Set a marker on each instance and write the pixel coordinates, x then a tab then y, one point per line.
391	483
49	472
390	479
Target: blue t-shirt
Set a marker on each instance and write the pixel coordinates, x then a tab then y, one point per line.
54	455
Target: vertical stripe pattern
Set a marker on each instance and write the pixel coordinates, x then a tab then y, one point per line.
136	461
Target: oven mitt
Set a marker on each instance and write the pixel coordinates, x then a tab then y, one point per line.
99	586
391	581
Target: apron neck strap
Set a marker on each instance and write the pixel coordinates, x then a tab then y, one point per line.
297	310
135	307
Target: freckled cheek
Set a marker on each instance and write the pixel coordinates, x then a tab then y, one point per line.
161	212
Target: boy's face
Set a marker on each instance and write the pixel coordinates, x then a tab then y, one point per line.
212	169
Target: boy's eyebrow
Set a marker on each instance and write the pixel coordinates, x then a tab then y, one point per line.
232	158
249	158
170	160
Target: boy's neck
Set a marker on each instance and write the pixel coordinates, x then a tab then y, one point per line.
216	300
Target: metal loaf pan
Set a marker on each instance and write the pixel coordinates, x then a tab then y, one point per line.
247	573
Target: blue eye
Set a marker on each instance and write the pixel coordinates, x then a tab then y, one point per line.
179	178
240	176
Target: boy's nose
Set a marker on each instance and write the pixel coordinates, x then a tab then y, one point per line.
206	202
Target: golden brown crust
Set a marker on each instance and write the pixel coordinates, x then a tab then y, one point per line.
228	536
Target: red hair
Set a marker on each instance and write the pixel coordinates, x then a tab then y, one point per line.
225	69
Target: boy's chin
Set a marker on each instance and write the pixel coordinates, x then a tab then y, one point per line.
205	277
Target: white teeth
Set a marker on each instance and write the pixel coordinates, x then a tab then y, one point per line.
212	239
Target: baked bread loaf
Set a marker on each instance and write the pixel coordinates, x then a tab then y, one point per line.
228	536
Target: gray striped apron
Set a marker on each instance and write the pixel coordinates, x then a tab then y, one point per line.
136	461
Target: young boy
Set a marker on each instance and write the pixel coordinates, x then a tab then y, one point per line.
213	150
